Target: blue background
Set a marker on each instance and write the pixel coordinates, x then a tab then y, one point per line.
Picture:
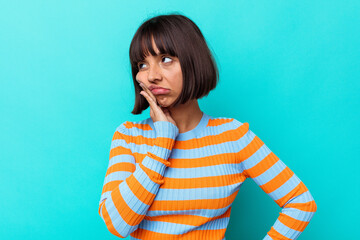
289	68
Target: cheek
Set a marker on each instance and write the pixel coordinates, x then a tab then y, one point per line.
179	81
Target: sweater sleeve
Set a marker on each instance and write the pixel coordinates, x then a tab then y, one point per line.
260	164
128	191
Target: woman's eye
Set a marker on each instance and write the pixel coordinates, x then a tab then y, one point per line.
167	58
140	64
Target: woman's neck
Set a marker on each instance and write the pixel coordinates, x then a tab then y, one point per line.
187	116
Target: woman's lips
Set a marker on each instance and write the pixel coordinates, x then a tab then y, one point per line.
158	91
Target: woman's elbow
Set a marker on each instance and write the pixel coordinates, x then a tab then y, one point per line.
121	229
313	206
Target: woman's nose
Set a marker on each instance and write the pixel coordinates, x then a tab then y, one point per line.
154	73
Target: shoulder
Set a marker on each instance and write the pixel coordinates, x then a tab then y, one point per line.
134	128
240	124
228	122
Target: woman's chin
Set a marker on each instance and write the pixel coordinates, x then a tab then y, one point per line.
163	101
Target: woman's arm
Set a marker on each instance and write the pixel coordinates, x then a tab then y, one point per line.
128	191
259	163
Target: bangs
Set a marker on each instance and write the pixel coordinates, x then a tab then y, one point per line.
142	44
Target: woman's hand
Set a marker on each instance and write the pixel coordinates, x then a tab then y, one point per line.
157	113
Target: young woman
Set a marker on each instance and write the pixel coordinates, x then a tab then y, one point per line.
176	174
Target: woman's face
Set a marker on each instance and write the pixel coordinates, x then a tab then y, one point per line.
162	71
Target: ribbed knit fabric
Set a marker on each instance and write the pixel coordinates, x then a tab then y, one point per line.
162	184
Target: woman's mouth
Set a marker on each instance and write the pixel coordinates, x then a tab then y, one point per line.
159	91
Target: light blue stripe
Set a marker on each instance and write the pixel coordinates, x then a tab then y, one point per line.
155	149
267	237
246	139
303	198
165	227
121	158
119	142
116	176
197	193
154	165
217	130
198	212
176	228
286	231
216	224
270	174
298	214
285	188
209	171
132	201
145	181
104	195
206	151
118	222
257	157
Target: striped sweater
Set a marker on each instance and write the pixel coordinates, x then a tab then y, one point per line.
162	184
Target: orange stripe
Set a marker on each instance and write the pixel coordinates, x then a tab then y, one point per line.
251	148
218	121
209	234
277	181
111	185
227	136
307	207
124	210
230	135
262	166
119	150
299	189
201	182
119	135
192	220
154	176
139	191
196	234
206	161
102	203
276	235
122	166
161	141
159	159
109	223
145	127
179	205
292	222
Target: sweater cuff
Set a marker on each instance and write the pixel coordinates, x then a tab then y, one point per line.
166	129
157	158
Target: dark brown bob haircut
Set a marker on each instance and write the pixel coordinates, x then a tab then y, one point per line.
178	36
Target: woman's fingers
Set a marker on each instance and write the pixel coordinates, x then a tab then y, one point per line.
151	101
147	91
157	112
